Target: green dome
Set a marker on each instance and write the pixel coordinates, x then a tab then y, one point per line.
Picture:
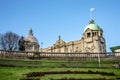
92	26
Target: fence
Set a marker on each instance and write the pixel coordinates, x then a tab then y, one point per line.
46	59
58	56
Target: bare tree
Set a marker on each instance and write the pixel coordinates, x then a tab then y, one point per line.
21	44
9	41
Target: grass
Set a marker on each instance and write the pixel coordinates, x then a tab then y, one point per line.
55	63
47	77
13	73
17	72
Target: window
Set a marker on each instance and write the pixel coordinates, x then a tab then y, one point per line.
76	47
93	33
88	34
101	34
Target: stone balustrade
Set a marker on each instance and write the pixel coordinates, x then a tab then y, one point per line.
63	56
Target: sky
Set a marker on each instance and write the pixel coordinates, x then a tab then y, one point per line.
67	18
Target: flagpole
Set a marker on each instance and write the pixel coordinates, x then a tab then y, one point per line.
91	14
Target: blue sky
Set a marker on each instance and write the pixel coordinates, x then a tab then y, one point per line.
68	18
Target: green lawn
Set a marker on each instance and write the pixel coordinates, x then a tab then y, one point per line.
55	63
13	73
19	68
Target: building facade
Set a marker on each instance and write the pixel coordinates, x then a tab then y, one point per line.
92	41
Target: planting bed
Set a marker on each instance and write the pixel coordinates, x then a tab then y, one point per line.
40	75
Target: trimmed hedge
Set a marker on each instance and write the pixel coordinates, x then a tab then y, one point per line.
37	75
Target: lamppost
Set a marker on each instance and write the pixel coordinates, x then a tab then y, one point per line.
41	46
99	60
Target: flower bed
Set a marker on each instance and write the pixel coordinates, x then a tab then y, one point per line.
35	74
38	75
82	79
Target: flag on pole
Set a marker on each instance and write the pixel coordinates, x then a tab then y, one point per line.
92	9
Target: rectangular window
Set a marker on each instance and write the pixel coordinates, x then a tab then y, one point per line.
88	35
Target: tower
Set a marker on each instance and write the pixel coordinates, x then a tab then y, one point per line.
31	43
93	40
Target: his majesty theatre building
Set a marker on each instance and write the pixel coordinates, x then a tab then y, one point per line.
91	41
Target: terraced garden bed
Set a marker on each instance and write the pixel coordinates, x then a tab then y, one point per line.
41	75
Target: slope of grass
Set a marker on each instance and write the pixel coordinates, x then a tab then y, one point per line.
55	63
13	73
19	68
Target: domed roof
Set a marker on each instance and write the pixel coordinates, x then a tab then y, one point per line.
92	26
30	37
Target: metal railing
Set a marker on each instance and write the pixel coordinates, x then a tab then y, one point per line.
16	58
62	56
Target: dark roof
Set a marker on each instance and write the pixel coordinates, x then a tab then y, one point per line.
114	48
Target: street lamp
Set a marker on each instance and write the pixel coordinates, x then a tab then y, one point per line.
99	60
41	46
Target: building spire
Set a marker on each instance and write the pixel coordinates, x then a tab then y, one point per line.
59	37
30	31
